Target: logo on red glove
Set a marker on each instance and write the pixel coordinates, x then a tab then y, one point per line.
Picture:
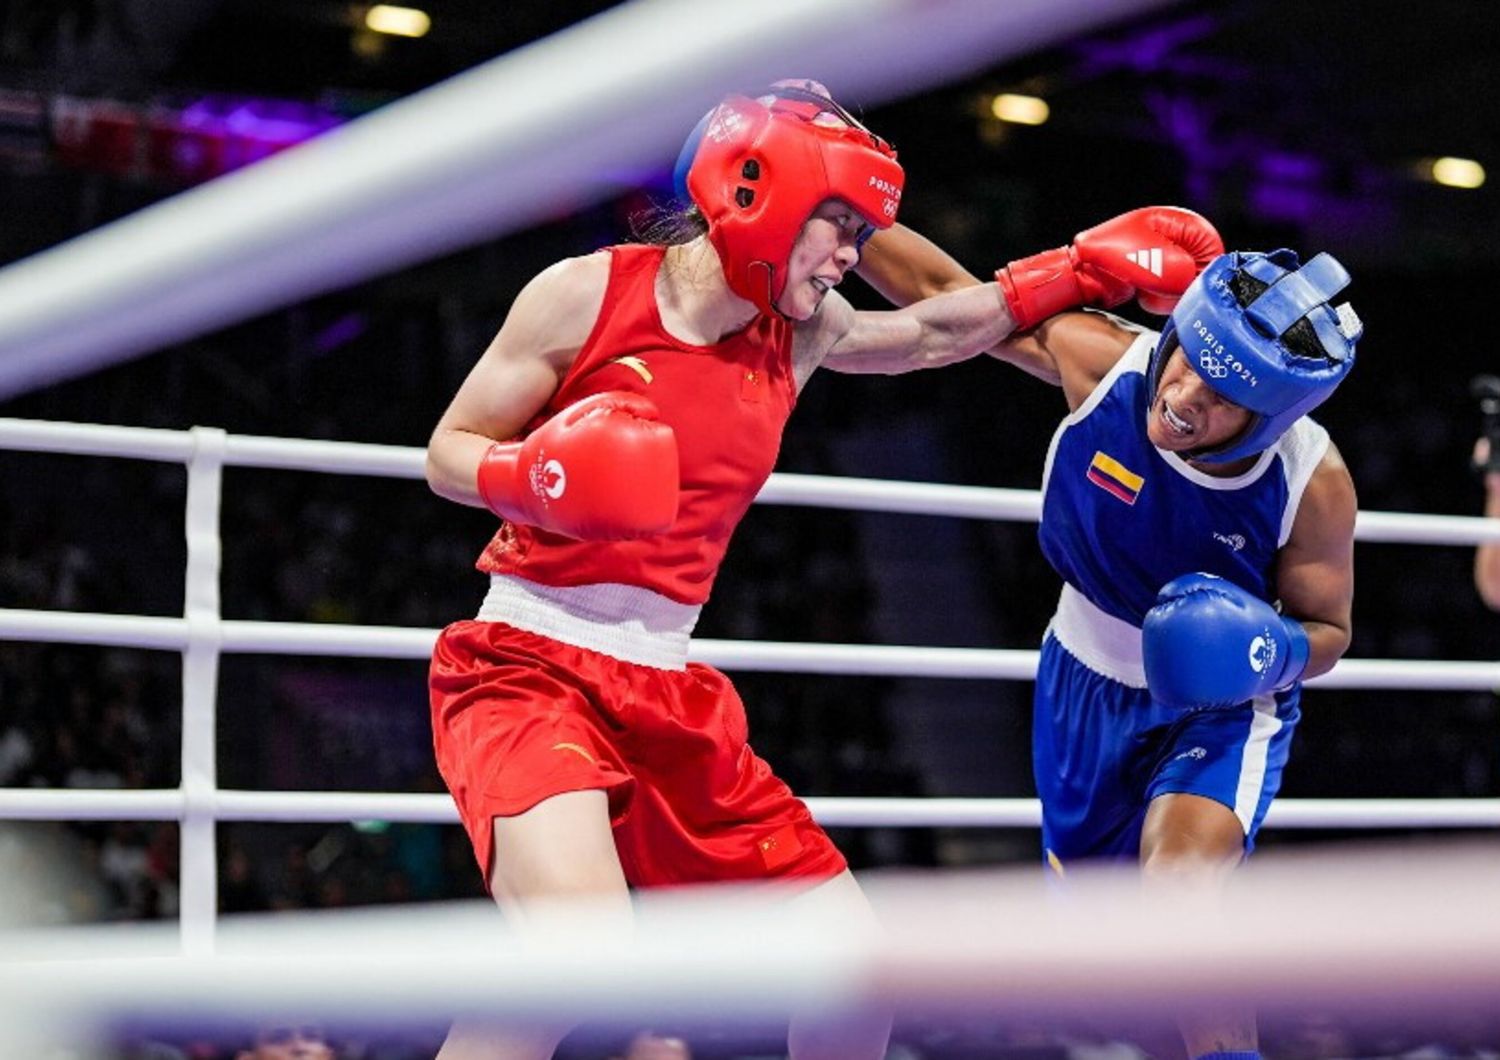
548	479
1150	259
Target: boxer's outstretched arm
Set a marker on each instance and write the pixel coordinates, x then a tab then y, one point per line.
906	267
1070	350
946	329
1151	254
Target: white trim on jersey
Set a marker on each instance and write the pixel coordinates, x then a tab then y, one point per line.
1218	482
1302	449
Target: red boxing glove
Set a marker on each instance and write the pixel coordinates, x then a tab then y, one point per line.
602	469
1153	252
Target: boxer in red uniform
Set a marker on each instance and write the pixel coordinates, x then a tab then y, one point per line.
621	423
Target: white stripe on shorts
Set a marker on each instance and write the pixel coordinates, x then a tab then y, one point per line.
1264	724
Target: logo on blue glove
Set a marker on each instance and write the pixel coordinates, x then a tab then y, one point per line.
1262	652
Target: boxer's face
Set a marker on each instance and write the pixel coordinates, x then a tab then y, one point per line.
1189	414
826	248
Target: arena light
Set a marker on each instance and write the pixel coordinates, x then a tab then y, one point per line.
1457	172
1019	109
398	21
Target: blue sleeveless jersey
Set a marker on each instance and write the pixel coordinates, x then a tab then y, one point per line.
1121	518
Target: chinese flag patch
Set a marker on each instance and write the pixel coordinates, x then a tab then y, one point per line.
780	847
751	385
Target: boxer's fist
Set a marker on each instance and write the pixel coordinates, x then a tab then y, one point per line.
602	469
1154	252
1209	643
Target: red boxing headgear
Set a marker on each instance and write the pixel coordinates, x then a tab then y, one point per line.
764	165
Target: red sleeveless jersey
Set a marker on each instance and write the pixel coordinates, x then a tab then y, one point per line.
727	404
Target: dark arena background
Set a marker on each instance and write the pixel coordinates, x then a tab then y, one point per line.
1361	127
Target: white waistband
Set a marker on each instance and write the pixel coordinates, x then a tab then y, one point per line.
1105	644
624	622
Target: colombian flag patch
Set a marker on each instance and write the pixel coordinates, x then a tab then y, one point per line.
1114	478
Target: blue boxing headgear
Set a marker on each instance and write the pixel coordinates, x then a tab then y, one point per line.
1241	351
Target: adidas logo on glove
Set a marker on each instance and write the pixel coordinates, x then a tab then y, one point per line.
1150	260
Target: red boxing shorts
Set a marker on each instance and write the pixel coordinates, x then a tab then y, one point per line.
518	717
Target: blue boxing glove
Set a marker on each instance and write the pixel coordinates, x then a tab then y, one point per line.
1209	643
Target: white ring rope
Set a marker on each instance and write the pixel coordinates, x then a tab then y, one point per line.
332	807
870	660
854	494
1346	933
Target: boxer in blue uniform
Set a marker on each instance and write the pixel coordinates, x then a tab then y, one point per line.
1204	529
1185	497
1203	526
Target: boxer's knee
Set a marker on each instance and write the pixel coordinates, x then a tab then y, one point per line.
1189	837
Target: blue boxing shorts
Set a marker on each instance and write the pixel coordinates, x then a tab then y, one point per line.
1102	750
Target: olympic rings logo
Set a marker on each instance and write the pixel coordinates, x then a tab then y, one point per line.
1212	365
